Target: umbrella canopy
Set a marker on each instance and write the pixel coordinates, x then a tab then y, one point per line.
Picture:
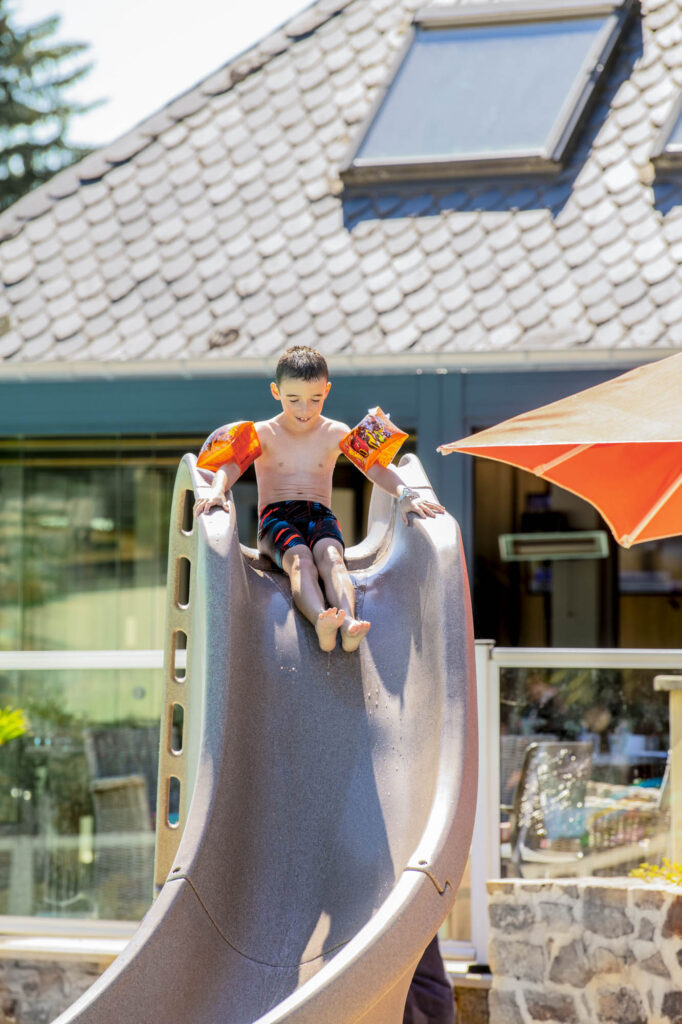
618	445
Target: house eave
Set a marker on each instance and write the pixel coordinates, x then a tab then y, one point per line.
342	365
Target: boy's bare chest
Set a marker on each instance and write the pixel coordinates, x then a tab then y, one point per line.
300	454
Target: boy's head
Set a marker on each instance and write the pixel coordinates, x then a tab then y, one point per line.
301	384
301	363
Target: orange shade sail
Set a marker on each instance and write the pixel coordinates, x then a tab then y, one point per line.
618	445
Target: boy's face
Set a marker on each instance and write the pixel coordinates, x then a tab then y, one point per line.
302	400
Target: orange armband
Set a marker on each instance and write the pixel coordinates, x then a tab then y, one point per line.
375	439
234	442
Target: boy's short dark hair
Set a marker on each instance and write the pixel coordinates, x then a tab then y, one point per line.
301	363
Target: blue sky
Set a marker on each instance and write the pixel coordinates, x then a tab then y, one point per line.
148	51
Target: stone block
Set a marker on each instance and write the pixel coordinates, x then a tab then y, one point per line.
621	1006
571	966
673	920
510	918
672	1006
551	1006
517	960
655	965
605	961
605	913
503	1008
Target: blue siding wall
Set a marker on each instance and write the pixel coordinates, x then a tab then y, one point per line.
438	406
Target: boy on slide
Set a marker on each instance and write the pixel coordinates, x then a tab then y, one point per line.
296	452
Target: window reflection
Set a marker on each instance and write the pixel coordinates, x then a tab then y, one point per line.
583	771
78	793
83	541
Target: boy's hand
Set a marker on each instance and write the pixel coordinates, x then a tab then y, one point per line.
204	504
411	501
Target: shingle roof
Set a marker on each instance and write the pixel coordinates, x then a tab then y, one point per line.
218	229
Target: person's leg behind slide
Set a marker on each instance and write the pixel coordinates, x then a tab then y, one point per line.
430	999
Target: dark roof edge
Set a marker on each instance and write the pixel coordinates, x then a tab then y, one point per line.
99	163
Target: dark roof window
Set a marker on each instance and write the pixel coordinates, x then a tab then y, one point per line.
667	152
494	88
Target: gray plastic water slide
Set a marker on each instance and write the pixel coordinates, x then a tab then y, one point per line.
332	795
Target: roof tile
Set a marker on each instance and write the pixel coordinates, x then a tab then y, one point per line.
665	291
647	332
288	203
630	291
440	260
39	324
637	311
461	319
14	271
403	338
496	316
512	256
35	231
658	270
650	249
493	295
77	250
577	255
415	279
424	298
553	274
66	326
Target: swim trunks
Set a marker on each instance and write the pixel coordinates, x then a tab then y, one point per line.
284	524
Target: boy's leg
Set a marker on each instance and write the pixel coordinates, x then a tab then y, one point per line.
338	586
299	565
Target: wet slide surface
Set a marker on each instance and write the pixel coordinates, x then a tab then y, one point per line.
333	795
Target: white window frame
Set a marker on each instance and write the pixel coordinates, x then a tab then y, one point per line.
547	160
667	156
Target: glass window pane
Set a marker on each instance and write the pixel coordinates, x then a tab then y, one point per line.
583	780
78	793
488	90
84	540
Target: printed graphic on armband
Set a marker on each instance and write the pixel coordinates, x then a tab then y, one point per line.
375	439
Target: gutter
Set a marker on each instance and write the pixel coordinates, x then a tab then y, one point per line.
385	364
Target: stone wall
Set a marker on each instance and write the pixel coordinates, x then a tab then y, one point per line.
585	951
37	991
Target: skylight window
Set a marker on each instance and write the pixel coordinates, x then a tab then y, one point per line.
667	151
499	88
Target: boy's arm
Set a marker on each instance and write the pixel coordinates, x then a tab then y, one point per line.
409	500
223	480
237	461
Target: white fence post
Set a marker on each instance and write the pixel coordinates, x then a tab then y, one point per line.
485	845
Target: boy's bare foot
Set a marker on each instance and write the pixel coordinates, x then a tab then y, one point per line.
326	627
352	632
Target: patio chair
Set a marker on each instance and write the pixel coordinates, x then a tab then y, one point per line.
123	765
548	818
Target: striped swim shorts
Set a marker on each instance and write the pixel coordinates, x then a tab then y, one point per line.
284	524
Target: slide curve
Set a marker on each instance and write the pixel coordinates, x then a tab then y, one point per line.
327	800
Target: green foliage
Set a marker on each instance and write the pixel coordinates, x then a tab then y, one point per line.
35	74
668	871
12	724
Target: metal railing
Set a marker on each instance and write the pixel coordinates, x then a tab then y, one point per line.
490	661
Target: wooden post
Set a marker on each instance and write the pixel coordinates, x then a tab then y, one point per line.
673	684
